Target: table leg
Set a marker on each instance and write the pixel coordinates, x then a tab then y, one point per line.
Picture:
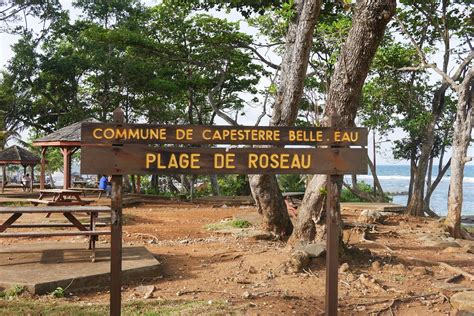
75	222
93	239
10	221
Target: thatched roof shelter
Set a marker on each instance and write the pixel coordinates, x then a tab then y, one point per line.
68	139
16	155
66	136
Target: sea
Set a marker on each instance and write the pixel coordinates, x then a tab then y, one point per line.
396	178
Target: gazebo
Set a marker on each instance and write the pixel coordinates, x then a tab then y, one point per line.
68	139
16	155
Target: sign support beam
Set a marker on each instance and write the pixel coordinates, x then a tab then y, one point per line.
332	247
116	236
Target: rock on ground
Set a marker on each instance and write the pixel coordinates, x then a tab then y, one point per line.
313	249
298	261
463	301
372	216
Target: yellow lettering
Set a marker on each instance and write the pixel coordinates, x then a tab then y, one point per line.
173	163
275	163
218	161
306	163
354	136
252	162
229	164
337	136
150	158
295	163
195	161
319	136
120	134
133	133
284	161
158	163
108	133
180	134
291	135
95	131
206	134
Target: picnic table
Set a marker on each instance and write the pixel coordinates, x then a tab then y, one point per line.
84	229
80	183
59	197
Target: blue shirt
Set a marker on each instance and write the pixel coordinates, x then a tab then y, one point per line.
103	183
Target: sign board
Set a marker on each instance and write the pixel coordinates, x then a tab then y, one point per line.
119	148
110	133
152	160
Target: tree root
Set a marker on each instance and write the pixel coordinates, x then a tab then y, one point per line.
364	239
446	266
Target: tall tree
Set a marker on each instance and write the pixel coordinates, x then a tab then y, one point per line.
265	189
426	24
369	21
461	141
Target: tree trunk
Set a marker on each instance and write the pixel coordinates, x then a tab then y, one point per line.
380	195
461	141
215	185
294	65
416	205
368	26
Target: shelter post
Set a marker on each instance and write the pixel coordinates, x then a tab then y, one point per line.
66	151
32	168
4	177
43	167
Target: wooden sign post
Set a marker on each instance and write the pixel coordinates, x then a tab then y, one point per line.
116	235
120	149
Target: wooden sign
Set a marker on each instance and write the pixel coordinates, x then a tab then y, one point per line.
152	160
110	133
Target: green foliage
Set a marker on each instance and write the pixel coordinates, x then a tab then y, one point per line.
233	185
236	223
58	292
292	182
240	223
12	291
348	196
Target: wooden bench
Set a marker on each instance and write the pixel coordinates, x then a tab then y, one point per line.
85	229
90	190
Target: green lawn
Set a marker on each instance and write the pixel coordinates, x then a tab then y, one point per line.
23	306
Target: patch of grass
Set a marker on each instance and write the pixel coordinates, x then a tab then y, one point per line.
12	291
236	223
19	203
149	307
469	228
240	223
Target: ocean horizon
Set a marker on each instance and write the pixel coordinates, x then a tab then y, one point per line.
396	178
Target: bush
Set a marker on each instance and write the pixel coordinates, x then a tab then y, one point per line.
348	196
292	182
231	185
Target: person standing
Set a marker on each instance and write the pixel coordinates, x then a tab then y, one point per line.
26	181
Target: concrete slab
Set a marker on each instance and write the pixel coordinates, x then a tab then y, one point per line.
42	267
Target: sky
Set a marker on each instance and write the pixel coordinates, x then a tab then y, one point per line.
384	155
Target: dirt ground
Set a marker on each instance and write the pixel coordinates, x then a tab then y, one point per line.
234	271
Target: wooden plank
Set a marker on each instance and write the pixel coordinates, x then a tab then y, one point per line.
139	159
54	234
38	201
10	221
117	133
52	225
53	209
75	222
